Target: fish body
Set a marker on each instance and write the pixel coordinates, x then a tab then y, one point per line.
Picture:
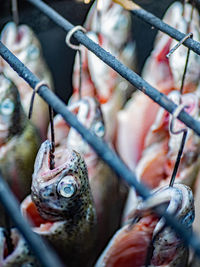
61	207
22	41
130	244
169	71
158	159
108	25
19	141
109	194
165	74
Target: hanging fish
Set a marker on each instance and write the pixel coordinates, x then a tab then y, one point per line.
19	141
131	244
169	71
186	20
22	41
21	255
158	159
109	26
165	74
61	208
108	192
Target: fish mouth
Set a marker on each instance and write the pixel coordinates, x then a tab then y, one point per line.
15	37
39	225
42	168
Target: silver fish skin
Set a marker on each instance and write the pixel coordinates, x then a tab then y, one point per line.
19	140
108	25
62	205
21	256
168	249
22	41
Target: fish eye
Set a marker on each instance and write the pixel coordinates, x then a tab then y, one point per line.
7	107
99	129
67	187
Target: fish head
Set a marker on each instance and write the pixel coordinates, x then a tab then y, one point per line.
89	113
11	112
23	43
21	40
64	191
113	21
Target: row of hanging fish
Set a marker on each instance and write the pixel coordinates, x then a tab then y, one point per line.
76	201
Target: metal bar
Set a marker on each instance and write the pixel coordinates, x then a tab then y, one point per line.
164	27
101	148
124	71
44	253
140	13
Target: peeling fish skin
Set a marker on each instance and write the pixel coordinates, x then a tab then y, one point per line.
19	141
130	244
22	41
66	221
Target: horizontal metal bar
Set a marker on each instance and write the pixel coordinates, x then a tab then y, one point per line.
101	148
124	71
44	253
164	27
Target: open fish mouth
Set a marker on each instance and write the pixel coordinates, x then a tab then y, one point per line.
16	37
42	168
40	225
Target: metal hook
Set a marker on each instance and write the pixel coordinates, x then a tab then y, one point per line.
78	48
69	36
189	35
35	90
37	87
180	152
15	12
52	157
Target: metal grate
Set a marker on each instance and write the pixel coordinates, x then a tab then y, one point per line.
101	148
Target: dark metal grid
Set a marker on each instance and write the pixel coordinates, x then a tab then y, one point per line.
164	27
125	72
100	147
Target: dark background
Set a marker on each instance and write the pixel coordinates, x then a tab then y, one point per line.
58	56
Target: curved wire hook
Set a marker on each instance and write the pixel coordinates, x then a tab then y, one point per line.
184	131
37	87
69	36
15	12
78	48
